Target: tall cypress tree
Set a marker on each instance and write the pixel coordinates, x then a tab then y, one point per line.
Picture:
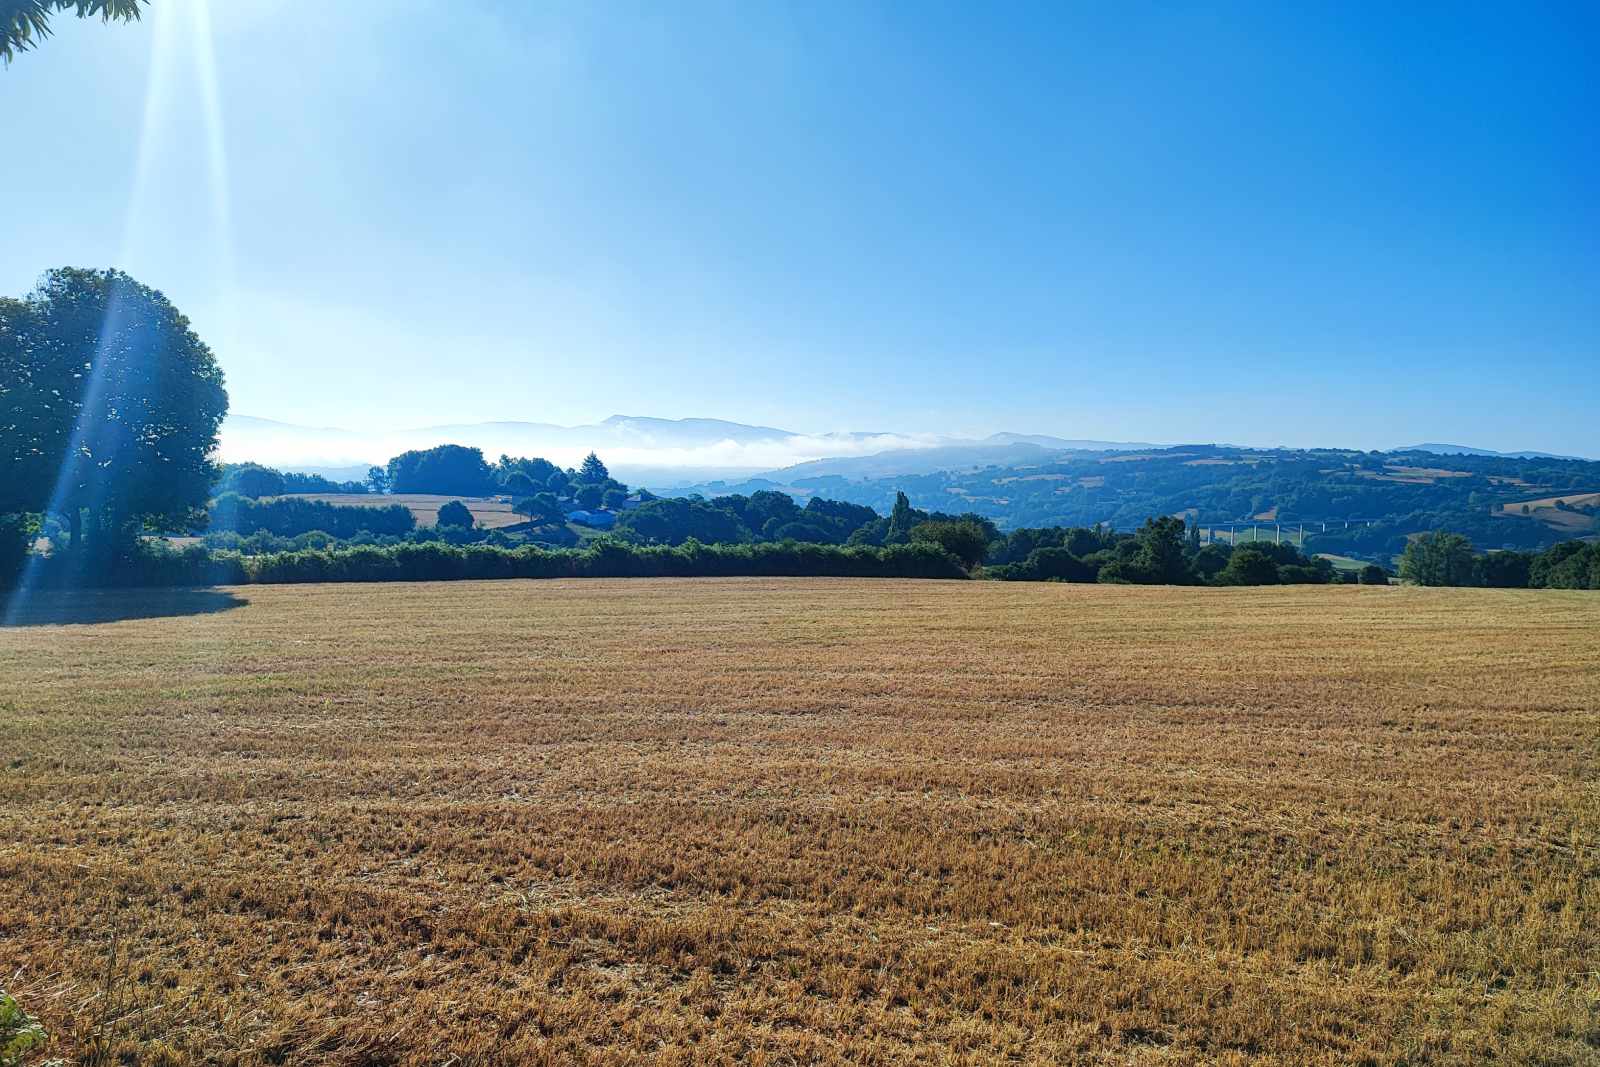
593	472
901	520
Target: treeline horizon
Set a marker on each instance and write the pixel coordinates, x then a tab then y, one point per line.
1363	505
1158	554
110	407
262	537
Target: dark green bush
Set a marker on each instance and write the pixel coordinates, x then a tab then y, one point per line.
287	516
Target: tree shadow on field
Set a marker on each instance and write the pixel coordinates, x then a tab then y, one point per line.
62	607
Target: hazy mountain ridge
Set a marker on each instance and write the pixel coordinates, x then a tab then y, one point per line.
1347	501
650	450
1468	450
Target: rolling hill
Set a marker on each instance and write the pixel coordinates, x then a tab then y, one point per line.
1349	502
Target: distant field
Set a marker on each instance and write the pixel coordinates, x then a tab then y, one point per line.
1575	499
1544	510
805	821
1411	475
491	514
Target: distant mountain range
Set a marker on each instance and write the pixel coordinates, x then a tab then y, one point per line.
1468	450
677	453
658	452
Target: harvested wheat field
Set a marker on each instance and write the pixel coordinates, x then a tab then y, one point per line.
805	821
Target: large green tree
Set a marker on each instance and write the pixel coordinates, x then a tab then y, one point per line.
539	507
455	513
963	538
451	470
593	472
902	519
1438	559
24	23
1161	551
109	407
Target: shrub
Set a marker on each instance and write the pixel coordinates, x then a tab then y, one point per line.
1305	573
21	1035
1504	570
1575	570
1249	565
1059	565
455	513
964	539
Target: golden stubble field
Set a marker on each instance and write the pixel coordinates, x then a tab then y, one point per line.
803	821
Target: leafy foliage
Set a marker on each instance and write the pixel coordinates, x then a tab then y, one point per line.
1372	574
965	539
251	480
448	470
1438	559
21	1034
24	23
109	407
592	471
455	513
290	515
541	507
672	521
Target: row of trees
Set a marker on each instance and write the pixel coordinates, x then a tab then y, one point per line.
254	480
1448	559
542	491
287	516
1160	553
762	516
607	558
767	515
1163	552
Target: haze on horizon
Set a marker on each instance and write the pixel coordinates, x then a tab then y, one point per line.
1339	226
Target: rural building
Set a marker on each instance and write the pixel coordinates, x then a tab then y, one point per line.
600	520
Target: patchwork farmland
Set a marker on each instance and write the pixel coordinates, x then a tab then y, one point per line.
801	821
487	512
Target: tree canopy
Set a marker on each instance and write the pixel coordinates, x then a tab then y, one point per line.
109	406
252	480
593	472
1438	559
964	539
449	470
25	23
455	513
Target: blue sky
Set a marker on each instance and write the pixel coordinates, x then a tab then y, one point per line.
1303	224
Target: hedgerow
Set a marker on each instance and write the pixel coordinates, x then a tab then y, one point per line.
157	565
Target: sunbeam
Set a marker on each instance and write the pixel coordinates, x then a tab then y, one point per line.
205	57
157	92
72	472
158	79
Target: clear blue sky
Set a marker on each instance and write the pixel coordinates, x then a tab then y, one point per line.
1356	224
